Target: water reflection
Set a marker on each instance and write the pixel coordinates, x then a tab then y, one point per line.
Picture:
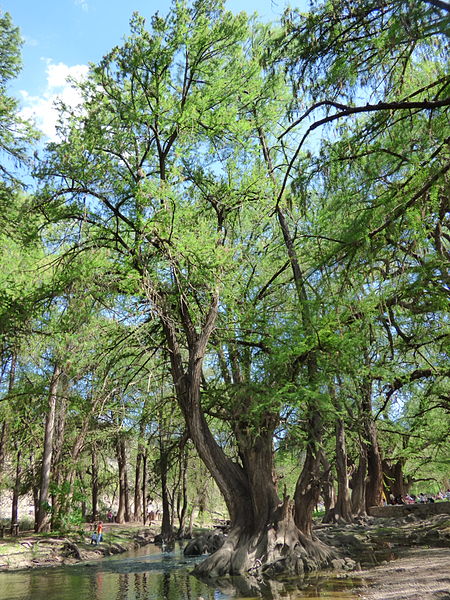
148	574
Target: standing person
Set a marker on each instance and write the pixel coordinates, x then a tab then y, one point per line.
99	532
110	516
94	533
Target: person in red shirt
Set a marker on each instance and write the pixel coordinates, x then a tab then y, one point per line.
99	532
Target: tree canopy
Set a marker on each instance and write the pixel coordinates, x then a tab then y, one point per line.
240	249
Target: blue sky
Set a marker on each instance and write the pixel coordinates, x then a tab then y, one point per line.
62	36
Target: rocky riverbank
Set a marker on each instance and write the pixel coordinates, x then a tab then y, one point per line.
31	550
403	558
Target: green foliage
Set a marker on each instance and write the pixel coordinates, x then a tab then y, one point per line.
164	191
16	135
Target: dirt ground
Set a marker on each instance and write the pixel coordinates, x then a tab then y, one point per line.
421	574
29	550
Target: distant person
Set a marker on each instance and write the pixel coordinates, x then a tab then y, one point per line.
110	516
99	532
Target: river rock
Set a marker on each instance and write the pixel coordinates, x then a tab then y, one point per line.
206	543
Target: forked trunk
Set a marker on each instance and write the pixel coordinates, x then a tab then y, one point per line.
263	535
374	482
342	510
307	490
394	481
328	492
358	484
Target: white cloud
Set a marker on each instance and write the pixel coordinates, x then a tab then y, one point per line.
29	41
42	109
82	4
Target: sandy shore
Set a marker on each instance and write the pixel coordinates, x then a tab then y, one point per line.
420	574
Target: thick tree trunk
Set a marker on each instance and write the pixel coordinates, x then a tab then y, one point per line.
394	480
342	510
358	484
327	486
307	490
374	483
263	534
43	518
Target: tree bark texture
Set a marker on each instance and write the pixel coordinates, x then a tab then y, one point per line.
123	512
374	483
343	507
358	483
43	519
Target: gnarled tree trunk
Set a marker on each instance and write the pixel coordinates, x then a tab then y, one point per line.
358	483
307	490
342	511
374	482
263	533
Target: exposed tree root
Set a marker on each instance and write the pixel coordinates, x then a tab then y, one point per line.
278	550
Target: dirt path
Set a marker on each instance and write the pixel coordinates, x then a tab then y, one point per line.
421	574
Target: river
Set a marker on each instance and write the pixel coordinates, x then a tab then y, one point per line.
149	574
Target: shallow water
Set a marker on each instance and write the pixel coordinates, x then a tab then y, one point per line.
149	574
